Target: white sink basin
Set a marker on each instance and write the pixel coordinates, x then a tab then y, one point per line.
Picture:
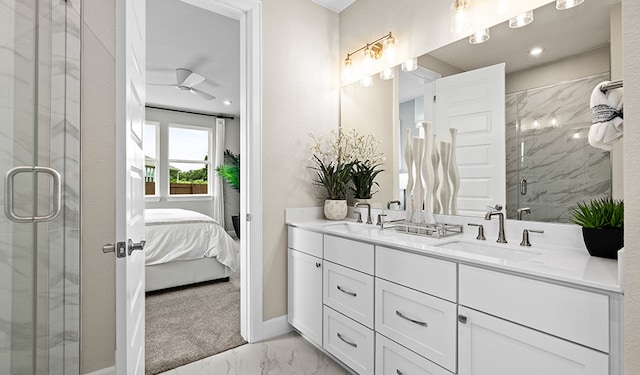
356	228
498	251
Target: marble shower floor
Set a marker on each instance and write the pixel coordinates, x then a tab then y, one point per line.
285	355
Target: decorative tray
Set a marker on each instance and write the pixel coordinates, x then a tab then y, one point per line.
438	230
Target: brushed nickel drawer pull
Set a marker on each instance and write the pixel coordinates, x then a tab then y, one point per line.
352	294
423	324
347	341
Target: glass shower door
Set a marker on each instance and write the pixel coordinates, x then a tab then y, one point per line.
39	163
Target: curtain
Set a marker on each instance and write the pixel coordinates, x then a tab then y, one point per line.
218	197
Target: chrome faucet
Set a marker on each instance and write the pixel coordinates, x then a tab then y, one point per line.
393	202
523	210
358	204
495	211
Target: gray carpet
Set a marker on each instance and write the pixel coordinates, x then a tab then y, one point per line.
186	324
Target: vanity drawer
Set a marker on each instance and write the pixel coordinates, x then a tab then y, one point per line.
418	321
576	315
393	359
350	292
349	341
306	241
433	276
348	253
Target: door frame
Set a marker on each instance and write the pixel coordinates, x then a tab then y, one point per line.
249	13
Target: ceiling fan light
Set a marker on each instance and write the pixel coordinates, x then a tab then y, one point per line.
567	4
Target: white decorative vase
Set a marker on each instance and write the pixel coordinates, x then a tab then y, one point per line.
418	196
335	209
454	173
427	173
445	189
435	164
408	157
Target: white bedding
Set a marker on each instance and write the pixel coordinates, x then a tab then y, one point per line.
176	234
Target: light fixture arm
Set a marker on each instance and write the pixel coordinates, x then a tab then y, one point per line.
370	45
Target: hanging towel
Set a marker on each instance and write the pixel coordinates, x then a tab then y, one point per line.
606	117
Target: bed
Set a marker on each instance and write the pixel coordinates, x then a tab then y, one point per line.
185	247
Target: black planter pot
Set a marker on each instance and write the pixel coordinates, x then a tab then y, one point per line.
236	224
603	243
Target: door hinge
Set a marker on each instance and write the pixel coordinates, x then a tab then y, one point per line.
248	217
121	249
434	98
462	319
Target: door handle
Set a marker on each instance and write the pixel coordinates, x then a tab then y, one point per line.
8	194
132	246
523	187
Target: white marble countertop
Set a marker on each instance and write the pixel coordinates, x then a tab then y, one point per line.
559	263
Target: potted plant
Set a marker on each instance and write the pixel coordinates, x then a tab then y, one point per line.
334	177
230	172
602	222
362	176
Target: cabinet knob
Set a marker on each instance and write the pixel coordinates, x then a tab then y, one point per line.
318	264
462	319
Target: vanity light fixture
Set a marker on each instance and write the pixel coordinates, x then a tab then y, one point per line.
521	20
366	81
479	36
372	51
410	65
459	17
386	74
567	4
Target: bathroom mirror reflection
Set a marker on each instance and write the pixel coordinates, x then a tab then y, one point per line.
548	163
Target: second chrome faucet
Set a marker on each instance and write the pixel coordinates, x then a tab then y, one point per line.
495	211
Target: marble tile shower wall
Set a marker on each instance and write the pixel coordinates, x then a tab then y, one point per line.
546	144
58	145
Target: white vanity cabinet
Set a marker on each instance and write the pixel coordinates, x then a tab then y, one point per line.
387	311
534	327
304	311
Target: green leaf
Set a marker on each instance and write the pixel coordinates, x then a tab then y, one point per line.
598	213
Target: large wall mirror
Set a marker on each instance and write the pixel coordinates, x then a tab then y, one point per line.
548	164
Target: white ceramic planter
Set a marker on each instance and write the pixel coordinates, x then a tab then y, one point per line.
335	209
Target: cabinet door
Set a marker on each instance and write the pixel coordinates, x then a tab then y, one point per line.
305	295
490	346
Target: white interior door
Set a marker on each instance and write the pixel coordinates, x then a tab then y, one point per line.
130	99
473	102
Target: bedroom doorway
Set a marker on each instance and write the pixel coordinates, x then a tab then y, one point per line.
247	13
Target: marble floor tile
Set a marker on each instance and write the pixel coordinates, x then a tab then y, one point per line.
285	355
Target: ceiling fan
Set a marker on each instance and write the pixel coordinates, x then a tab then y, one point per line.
186	80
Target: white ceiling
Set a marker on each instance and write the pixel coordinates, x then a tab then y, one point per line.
560	33
180	35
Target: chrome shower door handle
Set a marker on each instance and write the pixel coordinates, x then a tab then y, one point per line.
523	187
9	188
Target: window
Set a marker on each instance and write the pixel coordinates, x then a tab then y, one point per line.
177	159
150	147
188	160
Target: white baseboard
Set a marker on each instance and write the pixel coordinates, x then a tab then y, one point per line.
105	371
275	327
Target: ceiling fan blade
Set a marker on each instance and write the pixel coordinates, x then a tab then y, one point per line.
182	75
192	80
161	84
202	94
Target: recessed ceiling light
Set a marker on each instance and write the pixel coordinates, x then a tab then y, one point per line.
535	51
227	102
